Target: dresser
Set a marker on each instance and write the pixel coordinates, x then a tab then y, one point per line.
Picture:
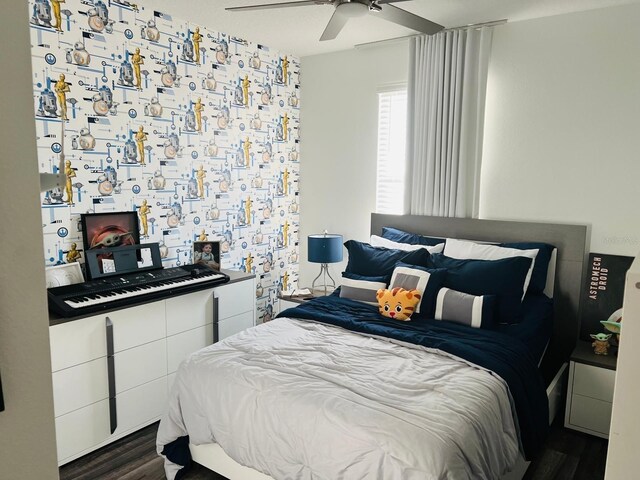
590	390
112	371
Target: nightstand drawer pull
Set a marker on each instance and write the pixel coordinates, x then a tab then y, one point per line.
594	382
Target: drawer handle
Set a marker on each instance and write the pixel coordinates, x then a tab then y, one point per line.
216	310
111	375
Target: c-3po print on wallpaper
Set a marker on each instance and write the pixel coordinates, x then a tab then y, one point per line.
195	130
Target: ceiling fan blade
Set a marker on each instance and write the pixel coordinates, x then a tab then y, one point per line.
337	22
264	6
382	2
407	19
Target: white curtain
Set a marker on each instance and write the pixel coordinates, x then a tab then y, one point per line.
446	98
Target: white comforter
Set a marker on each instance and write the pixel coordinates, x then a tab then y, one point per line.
301	400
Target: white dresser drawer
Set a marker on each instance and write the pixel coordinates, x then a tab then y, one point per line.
200	308
235	298
77	342
82	429
594	382
170	379
79	386
139	365
140	405
233	325
138	325
182	345
590	413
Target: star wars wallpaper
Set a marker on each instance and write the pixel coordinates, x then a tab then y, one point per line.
195	130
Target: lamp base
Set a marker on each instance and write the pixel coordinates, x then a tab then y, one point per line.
324	273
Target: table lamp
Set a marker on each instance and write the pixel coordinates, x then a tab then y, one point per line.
324	249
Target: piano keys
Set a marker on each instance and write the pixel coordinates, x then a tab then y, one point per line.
126	290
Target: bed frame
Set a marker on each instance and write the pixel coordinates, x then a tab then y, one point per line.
572	242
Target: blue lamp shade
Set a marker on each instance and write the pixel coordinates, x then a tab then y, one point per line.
324	248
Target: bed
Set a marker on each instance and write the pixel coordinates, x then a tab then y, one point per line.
303	396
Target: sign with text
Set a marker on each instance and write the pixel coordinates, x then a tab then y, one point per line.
603	291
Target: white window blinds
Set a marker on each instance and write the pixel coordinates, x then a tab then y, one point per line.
392	126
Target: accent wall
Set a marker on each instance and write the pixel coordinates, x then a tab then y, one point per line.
195	130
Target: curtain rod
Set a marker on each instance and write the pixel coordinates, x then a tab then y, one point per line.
492	23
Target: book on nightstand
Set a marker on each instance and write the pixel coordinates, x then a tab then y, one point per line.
296	294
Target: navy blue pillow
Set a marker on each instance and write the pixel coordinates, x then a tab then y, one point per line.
376	278
504	277
436	281
378	261
541	265
401	236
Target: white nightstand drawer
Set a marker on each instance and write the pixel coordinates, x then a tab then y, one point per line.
284	304
591	414
594	382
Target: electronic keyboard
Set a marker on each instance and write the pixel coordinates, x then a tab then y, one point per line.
125	290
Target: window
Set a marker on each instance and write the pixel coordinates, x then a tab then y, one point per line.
392	129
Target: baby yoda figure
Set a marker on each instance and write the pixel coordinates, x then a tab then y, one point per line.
601	343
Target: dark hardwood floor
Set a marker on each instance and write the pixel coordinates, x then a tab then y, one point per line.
568	455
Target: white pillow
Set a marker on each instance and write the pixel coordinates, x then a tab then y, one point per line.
410	279
361	290
464	249
377	241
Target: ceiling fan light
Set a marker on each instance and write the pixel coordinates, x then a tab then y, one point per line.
352	9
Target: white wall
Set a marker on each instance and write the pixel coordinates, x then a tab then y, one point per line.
339	117
27	437
561	135
561	129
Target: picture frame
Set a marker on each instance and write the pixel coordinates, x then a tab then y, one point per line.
110	229
65	274
208	253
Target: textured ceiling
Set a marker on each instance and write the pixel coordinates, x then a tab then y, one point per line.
297	30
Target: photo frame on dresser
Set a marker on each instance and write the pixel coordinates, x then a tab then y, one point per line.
208	253
110	229
66	274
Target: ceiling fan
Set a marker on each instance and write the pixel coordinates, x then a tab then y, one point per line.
346	9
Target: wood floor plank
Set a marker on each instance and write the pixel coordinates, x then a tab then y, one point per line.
549	463
568	468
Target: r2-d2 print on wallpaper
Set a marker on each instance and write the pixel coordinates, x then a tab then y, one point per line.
195	130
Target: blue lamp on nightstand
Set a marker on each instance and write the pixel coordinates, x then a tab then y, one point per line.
324	249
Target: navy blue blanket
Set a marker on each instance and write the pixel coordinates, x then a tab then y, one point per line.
506	356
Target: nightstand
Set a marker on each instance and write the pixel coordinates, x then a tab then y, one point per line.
286	301
590	391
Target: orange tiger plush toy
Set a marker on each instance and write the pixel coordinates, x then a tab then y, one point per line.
398	303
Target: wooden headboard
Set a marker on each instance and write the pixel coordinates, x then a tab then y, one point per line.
572	242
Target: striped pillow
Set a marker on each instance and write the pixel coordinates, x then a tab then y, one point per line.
471	310
426	280
360	288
